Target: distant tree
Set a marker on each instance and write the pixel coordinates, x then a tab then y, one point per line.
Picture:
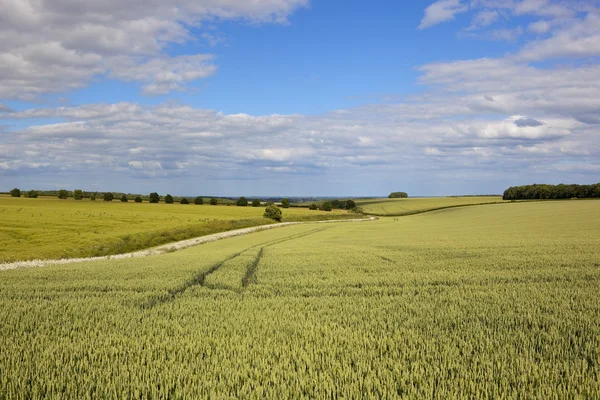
336	204
77	194
184	201
285	203
138	199
108	196
153	198
273	212
213	201
542	191
313	206
256	203
327	206
398	195
199	200
32	194
350	204
169	199
63	194
93	197
15	192
242	202
124	198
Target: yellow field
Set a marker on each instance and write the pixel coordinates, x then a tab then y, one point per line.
492	301
397	207
46	228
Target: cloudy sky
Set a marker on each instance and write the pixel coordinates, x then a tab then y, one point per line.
298	97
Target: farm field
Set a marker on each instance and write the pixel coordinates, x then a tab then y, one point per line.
47	228
490	301
415	205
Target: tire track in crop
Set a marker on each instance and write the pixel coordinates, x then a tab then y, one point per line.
196	280
250	276
200	278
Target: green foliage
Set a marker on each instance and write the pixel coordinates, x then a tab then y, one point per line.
350	204
285	203
256	203
124	198
16	192
398	195
93	197
313	206
63	194
153	198
273	212
32	194
168	199
242	202
199	200
542	192
213	201
108	196
78	194
184	201
138	199
326	206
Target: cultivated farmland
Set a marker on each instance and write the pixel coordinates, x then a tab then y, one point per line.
475	302
415	205
51	228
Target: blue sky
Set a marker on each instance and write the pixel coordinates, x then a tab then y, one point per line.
298	97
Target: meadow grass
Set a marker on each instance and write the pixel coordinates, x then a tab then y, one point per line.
49	228
494	301
416	205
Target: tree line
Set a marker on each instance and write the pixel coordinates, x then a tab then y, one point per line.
561	191
154	197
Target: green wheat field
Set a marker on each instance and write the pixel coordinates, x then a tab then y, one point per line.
487	301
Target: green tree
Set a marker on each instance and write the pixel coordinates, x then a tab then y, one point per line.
242	202
153	198
169	199
77	194
213	201
398	195
63	194
327	206
93	197
15	192
285	203
273	212
256	203
350	204
32	194
138	199
199	200
184	201
313	206
124	198
108	196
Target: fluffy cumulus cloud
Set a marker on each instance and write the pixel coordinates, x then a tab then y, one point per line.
488	121
53	46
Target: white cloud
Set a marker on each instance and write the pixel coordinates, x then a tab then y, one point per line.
59	45
441	11
580	39
539	27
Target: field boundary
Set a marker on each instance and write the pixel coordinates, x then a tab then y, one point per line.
169	247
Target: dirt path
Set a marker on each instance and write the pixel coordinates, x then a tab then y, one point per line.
169	247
